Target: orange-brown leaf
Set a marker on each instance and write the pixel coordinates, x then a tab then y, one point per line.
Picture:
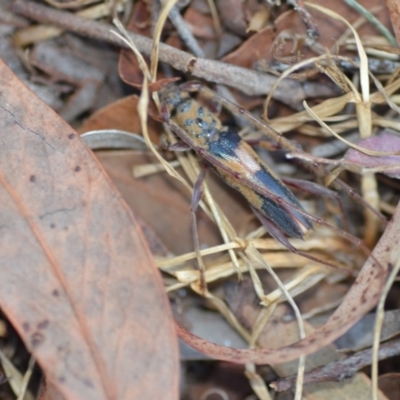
76	278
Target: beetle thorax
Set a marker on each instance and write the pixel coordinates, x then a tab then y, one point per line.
199	123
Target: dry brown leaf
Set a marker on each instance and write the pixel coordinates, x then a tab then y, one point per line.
76	277
386	142
200	24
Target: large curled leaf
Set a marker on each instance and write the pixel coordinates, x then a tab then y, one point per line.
76	278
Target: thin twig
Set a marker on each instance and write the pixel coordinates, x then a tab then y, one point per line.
184	32
338	371
248	81
311	26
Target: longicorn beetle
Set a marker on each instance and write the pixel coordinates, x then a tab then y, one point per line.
239	166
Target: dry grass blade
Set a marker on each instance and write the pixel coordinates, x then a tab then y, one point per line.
166	8
71	4
349	144
14	376
256	256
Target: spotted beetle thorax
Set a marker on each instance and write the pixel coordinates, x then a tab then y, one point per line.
199	123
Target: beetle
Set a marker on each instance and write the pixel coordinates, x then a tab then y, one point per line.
239	166
234	160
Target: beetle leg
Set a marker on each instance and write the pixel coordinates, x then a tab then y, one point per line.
191	86
276	233
360	200
196	197
318	190
164	114
265	143
177	146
